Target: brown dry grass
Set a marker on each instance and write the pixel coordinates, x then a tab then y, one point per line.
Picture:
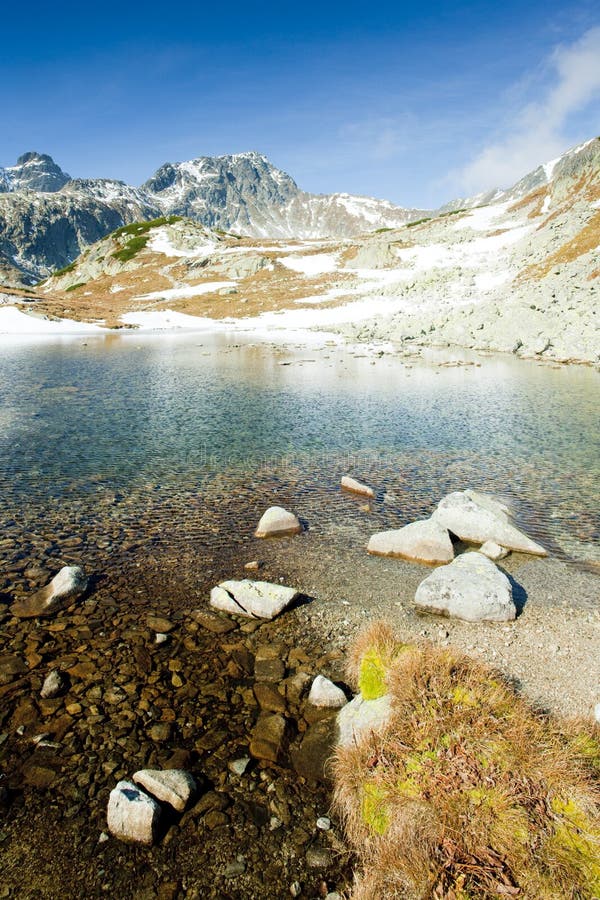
536	197
468	792
587	239
266	290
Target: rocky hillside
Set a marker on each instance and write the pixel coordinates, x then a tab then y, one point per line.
47	218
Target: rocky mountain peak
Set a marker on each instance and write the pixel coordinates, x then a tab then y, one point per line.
33	171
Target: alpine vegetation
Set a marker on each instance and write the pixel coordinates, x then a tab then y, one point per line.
464	790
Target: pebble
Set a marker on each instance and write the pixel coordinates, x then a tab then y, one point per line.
324	823
239	766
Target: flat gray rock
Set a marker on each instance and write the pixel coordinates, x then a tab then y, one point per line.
132	815
66	586
475	518
470	588
172	786
426	541
277	522
255	599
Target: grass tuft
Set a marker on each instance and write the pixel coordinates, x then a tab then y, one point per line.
468	792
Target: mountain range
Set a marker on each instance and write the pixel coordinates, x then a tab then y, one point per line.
517	274
47	218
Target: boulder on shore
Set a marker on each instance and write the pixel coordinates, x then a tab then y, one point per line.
425	541
356	487
277	522
475	518
132	815
255	599
360	716
470	588
324	693
66	586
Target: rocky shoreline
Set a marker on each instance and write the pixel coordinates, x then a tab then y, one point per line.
151	678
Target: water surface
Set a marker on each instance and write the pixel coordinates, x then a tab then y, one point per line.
112	445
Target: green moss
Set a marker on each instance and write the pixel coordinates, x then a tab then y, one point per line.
371	678
382	230
79	284
576	841
418	222
375	812
135	229
131	248
461	696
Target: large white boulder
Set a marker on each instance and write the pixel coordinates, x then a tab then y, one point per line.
325	693
172	786
475	518
356	487
470	588
66	586
276	522
132	815
255	599
425	541
362	716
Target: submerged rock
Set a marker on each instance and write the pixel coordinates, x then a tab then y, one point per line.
470	588
475	518
356	487
132	815
66	586
54	685
268	738
172	786
425	541
255	599
277	521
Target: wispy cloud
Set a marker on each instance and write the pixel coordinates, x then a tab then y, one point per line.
539	130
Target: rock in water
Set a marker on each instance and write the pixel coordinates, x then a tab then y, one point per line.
172	786
132	815
476	518
361	716
426	541
255	599
268	738
470	588
356	487
277	521
325	693
493	551
65	587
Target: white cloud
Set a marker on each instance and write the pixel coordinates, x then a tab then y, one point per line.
538	130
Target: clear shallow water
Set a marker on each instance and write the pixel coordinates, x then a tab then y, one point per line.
110	445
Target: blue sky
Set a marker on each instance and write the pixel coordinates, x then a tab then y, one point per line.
415	102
